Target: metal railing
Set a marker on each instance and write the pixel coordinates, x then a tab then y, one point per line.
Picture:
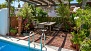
43	36
31	34
42	45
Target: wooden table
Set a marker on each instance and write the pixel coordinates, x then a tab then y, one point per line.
50	24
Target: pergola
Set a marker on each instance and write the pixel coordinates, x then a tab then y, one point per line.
37	3
43	2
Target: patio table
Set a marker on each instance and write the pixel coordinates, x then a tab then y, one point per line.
50	24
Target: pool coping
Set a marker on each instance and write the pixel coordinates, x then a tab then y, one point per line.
37	45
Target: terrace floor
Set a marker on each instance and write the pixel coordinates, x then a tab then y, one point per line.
56	38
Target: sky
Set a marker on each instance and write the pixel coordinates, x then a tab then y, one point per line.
21	3
14	4
74	1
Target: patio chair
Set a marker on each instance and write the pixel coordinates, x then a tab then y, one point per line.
25	37
41	28
35	23
57	27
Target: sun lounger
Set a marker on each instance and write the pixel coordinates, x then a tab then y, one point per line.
23	38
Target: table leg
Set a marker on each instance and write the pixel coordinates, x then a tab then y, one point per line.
50	28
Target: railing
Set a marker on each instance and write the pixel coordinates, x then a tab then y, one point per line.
42	45
43	36
31	34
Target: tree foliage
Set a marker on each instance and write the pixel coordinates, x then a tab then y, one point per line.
11	1
25	12
79	1
3	5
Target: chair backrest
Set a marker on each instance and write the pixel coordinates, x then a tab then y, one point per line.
35	22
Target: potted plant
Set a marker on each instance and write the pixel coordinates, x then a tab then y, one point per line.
86	45
13	31
75	41
78	37
82	28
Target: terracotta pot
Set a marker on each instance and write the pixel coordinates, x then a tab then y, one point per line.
77	47
12	34
73	45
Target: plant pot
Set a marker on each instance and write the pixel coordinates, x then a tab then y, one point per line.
77	47
73	45
12	34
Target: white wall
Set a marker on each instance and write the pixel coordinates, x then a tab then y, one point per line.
52	13
4	21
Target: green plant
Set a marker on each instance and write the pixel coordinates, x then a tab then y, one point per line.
78	37
63	10
86	45
41	12
64	13
25	12
83	21
13	30
27	26
75	39
82	28
78	23
12	14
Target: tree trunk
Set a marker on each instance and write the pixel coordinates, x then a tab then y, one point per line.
9	14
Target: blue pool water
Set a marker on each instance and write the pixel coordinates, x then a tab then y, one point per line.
8	46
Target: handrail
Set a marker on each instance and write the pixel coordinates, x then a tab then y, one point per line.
33	38
31	34
29	41
41	43
43	36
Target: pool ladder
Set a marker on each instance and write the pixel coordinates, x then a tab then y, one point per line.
41	45
31	34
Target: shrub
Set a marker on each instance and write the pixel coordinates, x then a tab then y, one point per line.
86	45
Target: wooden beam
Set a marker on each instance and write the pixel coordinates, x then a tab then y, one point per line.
32	1
60	1
43	1
36	2
52	1
29	2
46	5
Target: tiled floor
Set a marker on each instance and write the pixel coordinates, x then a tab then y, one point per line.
59	39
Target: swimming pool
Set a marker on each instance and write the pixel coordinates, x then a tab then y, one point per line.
9	46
